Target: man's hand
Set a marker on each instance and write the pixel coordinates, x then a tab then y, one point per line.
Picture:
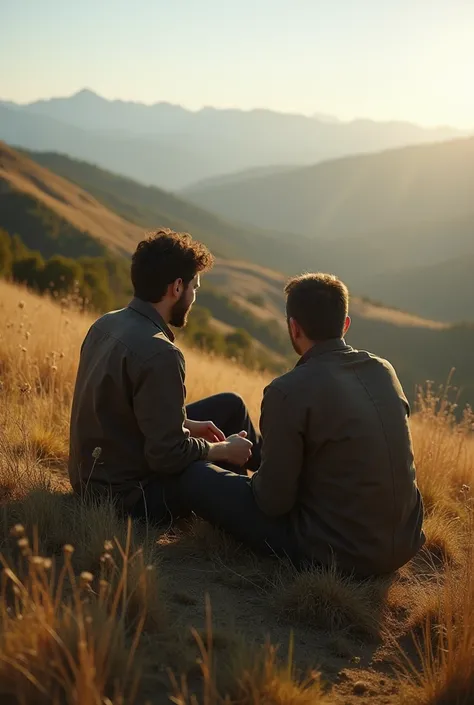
204	429
239	449
235	449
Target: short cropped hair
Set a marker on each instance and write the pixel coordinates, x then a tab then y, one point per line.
319	303
163	257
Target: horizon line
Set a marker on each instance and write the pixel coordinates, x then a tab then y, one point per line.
323	118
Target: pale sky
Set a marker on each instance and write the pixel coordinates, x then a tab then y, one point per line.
383	59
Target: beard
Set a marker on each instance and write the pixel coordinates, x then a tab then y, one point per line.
179	312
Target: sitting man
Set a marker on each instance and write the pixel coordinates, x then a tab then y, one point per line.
131	434
337	477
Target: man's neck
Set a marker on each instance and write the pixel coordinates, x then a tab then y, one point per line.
164	311
306	346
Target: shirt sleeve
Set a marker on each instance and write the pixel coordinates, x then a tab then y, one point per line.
275	485
159	406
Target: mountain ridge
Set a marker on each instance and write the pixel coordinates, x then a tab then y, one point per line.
89	94
171	147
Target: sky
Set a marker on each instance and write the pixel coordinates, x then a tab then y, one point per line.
382	59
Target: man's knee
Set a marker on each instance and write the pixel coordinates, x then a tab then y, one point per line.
232	401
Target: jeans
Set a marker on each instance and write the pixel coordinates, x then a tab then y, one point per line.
217	494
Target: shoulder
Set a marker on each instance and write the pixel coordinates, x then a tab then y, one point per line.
139	337
292	384
163	353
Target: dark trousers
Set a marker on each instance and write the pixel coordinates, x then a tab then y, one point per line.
229	413
161	501
216	494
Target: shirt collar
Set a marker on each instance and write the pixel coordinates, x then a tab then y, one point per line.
332	345
145	308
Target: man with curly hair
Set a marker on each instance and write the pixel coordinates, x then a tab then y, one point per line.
131	433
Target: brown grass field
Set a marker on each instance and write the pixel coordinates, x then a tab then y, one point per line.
94	612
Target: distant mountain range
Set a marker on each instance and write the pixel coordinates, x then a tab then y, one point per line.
171	147
390	223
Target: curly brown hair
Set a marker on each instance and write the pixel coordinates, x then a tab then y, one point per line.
163	257
319	303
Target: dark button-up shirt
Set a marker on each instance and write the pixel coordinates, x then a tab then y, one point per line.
337	458
129	405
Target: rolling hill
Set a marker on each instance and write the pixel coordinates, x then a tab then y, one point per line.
148	206
171	147
54	215
383	221
356	196
239	294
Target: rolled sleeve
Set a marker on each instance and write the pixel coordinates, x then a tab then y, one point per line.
275	485
159	407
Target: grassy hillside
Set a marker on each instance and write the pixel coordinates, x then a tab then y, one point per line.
55	217
94	614
51	213
240	294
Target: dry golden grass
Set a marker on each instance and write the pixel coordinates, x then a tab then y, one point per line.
253	675
67	638
327	600
63	641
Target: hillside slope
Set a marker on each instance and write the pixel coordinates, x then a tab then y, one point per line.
54	216
246	295
149	207
442	291
419	348
354	196
30	195
383	221
362	262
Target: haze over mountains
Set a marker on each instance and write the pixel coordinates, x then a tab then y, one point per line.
391	223
169	146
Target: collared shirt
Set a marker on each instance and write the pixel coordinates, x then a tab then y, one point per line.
129	402
337	458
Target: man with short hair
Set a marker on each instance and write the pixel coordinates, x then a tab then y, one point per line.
131	434
337	478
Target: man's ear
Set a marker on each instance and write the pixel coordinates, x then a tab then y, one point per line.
294	328
176	288
347	325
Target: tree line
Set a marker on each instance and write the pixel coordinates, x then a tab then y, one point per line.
98	283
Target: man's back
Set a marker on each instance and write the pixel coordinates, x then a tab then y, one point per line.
346	440
129	403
